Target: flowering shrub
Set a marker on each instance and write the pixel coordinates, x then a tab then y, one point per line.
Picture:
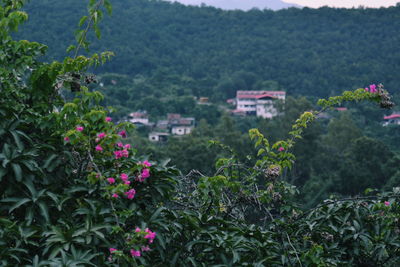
112	208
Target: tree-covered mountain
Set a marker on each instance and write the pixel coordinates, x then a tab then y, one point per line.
239	4
307	51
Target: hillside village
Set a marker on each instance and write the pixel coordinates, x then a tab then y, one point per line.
263	104
247	103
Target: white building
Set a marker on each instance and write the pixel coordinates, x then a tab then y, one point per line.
393	119
158	136
181	126
259	103
139	118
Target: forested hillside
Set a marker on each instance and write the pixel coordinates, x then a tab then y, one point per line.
214	52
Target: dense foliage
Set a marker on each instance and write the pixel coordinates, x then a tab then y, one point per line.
73	191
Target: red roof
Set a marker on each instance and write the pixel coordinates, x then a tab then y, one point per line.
259	94
393	116
265	95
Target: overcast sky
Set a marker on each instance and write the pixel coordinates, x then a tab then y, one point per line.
308	3
344	3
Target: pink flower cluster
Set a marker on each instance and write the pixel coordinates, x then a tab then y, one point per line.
145	173
122	153
130	194
371	89
150	235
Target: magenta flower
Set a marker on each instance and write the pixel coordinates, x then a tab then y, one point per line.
281	148
387	203
145	248
101	135
130	194
122	133
150	235
137	230
145	173
125	153
112	250
118	154
366	89
372	88
66	139
124	177
120	144
127	146
115	195
108	119
127	182
146	163
111	180
135	253
79	128
99	148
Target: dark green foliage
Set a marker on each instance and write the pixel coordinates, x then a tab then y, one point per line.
316	52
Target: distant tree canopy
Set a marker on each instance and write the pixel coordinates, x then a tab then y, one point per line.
213	53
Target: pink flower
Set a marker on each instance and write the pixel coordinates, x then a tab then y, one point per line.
281	148
366	89
115	195
145	174
150	235
118	154
372	88
99	148
125	153
135	253
127	182
122	133
79	128
130	194
120	144
137	230
124	177
127	146
111	180
387	203
145	248
101	135
146	163
66	139
108	119
112	250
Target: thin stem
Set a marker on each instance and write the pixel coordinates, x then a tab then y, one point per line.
89	24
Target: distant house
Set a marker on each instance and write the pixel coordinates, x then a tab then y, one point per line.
139	118
180	125
259	103
175	124
158	136
393	119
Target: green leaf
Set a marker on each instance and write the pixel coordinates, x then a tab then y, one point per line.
18	204
82	20
17	140
17	171
44	210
